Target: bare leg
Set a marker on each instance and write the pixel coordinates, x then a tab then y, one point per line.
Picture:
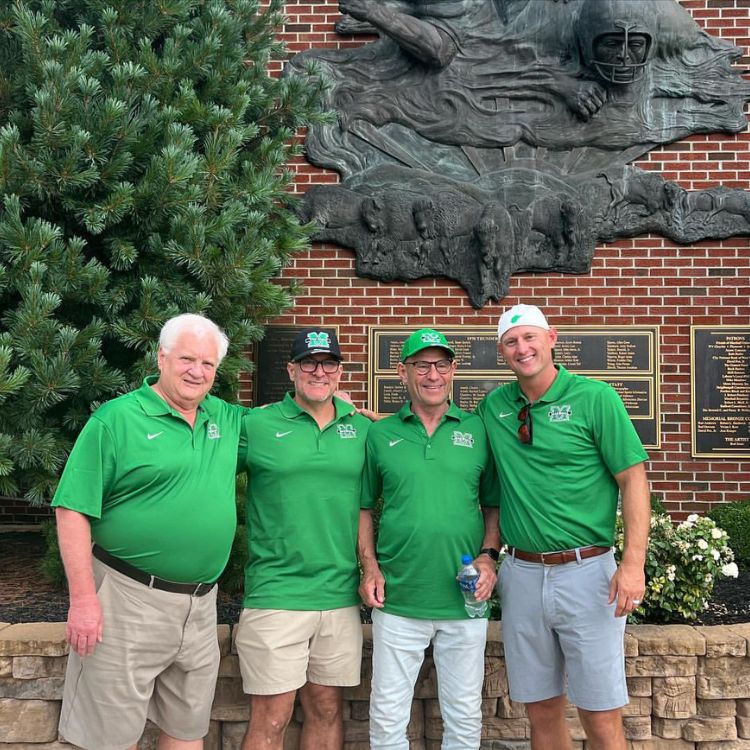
269	717
171	743
323	727
604	730
548	728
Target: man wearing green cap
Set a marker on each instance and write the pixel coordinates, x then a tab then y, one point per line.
565	448
433	468
300	627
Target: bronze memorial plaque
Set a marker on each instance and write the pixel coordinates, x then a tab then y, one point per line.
720	391
625	357
271	380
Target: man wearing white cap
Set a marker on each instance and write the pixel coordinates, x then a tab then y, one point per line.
565	449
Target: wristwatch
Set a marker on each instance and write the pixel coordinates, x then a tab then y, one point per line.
493	553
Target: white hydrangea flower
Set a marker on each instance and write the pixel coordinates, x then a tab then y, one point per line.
716	533
697	558
730	570
671	570
716	554
702	544
708	578
693	517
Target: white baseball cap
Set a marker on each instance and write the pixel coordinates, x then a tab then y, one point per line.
521	315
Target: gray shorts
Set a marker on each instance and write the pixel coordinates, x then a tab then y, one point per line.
558	628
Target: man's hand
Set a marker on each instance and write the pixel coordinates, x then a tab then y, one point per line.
487	569
85	624
627	587
372	588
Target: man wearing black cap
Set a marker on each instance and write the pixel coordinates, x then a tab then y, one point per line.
300	627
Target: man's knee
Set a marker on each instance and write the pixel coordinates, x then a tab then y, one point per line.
603	728
271	714
547	711
322	703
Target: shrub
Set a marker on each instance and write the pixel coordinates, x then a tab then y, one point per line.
143	153
232	580
52	565
656	507
682	564
734	518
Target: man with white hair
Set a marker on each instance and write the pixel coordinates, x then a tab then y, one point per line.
565	448
151	481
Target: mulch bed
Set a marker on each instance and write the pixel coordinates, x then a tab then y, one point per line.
27	596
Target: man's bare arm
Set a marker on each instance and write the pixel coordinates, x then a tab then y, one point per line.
629	582
85	622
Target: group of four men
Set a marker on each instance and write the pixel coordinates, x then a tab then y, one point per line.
150	482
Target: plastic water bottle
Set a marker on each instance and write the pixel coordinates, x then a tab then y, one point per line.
467	581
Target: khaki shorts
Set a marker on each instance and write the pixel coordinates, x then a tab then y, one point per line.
159	658
280	650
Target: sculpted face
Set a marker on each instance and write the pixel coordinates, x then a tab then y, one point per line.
620	57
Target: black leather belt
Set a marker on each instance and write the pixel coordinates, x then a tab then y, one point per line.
193	589
558	558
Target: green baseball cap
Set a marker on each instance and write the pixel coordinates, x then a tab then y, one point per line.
424	338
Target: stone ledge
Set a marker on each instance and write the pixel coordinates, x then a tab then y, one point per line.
689	689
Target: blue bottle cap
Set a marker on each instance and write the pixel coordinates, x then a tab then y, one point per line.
466	559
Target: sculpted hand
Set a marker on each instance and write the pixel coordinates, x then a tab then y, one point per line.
584	98
487	568
85	624
372	588
627	587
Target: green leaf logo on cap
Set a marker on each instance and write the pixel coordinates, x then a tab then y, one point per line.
515	318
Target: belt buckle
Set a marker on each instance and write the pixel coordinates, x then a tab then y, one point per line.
545	555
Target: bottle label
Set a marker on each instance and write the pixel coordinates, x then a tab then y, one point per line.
468	584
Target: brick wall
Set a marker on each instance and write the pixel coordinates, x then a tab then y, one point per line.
689	690
643	281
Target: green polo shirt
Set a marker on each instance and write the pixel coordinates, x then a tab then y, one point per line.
560	491
302	507
432	487
158	493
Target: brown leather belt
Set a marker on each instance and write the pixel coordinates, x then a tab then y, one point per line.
558	558
121	566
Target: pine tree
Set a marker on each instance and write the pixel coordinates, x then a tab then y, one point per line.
142	153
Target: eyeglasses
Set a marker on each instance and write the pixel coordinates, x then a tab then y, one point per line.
311	365
525	432
423	366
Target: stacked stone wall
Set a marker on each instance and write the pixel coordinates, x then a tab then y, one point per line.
689	690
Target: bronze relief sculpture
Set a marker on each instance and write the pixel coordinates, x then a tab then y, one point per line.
477	138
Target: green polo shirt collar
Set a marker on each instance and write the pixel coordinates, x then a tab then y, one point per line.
292	410
555	392
154	405
405	413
